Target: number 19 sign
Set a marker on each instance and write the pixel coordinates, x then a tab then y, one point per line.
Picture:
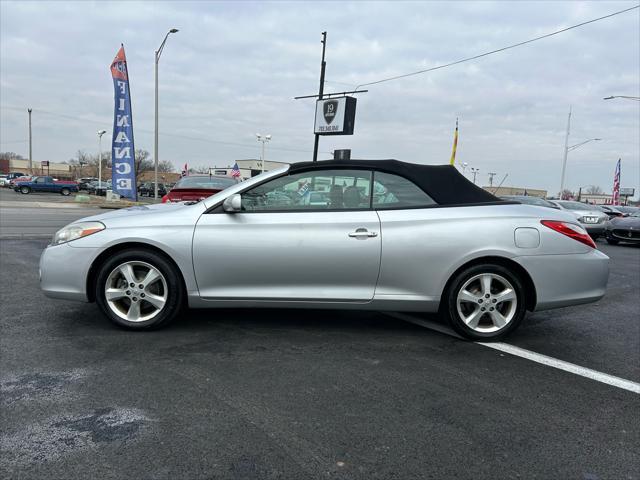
335	116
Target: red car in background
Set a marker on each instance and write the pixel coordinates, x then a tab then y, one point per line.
194	188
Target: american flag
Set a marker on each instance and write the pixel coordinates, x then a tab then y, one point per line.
185	171
235	172
615	200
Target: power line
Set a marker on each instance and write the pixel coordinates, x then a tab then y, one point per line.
164	134
475	57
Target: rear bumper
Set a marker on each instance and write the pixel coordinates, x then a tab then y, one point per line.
564	280
593	229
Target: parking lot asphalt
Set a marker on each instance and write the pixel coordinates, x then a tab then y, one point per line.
310	394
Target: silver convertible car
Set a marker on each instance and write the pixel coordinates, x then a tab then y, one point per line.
384	235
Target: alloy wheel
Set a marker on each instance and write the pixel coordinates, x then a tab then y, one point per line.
136	291
487	302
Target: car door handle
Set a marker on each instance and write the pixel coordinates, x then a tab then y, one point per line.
362	233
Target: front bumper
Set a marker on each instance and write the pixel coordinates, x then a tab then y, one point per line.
623	235
64	271
564	280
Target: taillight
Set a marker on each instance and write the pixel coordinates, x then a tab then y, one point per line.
571	230
165	199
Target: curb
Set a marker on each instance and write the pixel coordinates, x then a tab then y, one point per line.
26	236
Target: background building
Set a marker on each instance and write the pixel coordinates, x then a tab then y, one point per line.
499	191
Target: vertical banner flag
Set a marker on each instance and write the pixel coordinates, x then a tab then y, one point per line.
123	173
455	145
615	198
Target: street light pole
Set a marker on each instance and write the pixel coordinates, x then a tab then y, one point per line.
100	133
566	152
30	151
155	135
264	139
474	171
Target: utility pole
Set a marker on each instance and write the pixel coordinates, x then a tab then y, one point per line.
491	175
30	145
566	152
323	65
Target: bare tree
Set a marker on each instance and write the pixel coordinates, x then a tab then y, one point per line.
200	169
566	194
10	156
142	162
594	190
165	166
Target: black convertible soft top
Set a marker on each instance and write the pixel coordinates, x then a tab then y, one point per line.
443	183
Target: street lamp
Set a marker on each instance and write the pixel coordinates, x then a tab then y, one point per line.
577	145
155	143
100	133
626	97
264	139
568	149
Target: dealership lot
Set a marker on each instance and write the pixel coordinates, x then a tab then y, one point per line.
308	394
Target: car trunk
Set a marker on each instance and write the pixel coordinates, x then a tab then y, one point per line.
190	194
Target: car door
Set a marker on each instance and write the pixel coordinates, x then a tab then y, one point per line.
281	247
39	184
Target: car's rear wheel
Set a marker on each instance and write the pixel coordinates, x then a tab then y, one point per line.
139	290
65	192
25	190
485	302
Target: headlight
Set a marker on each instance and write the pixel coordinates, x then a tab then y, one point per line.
75	231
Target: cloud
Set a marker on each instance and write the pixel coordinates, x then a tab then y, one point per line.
234	68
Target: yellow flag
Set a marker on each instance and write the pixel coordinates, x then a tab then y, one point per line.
455	145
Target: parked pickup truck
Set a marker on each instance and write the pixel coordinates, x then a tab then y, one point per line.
45	184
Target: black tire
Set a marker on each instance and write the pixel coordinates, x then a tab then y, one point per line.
25	190
612	241
175	289
449	307
65	192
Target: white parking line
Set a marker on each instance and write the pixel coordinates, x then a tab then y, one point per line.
533	356
566	366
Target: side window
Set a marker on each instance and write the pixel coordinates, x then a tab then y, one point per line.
317	190
393	191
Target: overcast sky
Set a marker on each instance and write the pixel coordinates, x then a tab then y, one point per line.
234	67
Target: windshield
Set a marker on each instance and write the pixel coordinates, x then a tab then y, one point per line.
575	205
205	182
246	184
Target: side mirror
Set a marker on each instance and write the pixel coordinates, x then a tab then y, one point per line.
233	203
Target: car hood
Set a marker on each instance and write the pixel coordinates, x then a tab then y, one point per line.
588	213
626	222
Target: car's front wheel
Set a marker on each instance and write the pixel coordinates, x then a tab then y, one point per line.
25	190
139	290
485	302
65	191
